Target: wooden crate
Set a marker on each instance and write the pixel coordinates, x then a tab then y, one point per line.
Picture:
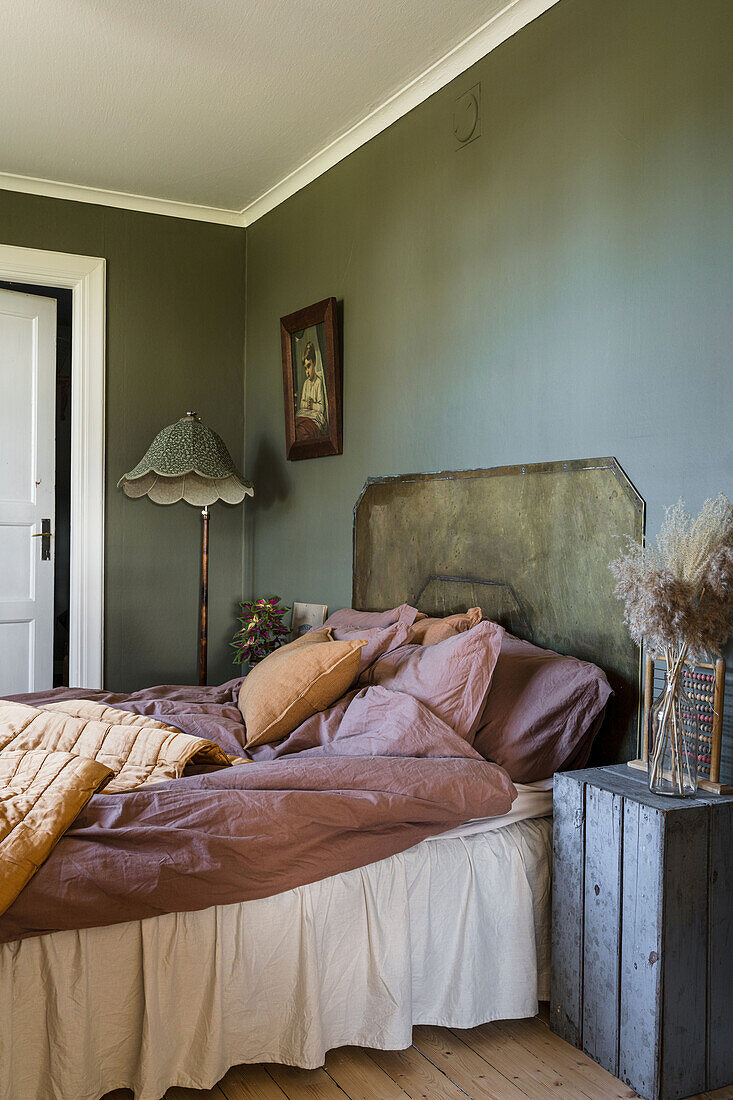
642	937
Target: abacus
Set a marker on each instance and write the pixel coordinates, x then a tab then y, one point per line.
704	683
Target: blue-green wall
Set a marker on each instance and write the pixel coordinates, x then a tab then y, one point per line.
562	287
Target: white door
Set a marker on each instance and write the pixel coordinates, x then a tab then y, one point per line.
27	483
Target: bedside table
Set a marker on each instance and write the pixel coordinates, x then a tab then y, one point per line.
642	931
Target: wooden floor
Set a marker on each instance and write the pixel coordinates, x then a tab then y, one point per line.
512	1060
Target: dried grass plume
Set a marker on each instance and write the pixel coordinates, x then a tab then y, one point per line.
678	591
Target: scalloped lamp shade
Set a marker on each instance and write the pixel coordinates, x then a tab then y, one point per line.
187	461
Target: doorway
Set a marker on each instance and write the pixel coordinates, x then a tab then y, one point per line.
61	534
48	275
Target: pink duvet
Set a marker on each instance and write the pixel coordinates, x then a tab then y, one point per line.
367	779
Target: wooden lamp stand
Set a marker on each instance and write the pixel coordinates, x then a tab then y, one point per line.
204	603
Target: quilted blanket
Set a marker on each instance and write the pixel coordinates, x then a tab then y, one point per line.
54	757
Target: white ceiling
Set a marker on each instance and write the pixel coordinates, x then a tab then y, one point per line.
227	106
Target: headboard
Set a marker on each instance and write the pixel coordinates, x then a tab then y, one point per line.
530	545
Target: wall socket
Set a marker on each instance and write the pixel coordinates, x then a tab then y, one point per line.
467	117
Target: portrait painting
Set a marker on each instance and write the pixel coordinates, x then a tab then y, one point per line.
312	381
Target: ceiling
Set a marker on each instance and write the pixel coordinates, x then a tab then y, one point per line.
219	109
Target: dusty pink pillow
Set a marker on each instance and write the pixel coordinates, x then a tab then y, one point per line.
379	640
452	678
542	713
349	619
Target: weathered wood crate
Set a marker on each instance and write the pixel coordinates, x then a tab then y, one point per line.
642	937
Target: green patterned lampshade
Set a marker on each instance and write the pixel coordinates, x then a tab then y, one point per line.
187	461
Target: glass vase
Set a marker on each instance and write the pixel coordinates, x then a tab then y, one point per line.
673	738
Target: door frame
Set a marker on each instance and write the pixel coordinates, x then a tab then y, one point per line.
85	276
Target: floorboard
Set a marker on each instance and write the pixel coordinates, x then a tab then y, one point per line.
177	1093
417	1075
506	1060
464	1066
250	1083
566	1061
305	1084
531	1075
360	1077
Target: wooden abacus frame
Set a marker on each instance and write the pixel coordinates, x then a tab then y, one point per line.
714	737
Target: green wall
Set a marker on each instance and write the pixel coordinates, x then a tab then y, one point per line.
559	288
175	338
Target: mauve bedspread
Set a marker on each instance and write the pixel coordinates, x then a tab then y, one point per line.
363	781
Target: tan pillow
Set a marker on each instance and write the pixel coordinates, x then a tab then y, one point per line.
295	682
427	631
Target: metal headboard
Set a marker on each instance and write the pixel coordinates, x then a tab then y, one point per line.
530	545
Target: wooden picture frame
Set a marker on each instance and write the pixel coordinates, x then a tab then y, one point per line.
306	616
312	381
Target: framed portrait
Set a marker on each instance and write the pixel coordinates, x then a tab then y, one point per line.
312	381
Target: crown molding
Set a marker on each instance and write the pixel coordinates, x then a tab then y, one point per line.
121	200
515	15
512	18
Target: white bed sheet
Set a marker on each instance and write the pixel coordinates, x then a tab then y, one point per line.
454	932
533	800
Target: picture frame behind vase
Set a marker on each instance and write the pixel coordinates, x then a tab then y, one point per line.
311	363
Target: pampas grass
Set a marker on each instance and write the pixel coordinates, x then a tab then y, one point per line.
678	595
678	590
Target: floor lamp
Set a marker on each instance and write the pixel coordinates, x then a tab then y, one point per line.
187	461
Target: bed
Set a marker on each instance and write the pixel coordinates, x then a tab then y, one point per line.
452	929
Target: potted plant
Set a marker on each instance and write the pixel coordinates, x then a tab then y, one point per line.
261	630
